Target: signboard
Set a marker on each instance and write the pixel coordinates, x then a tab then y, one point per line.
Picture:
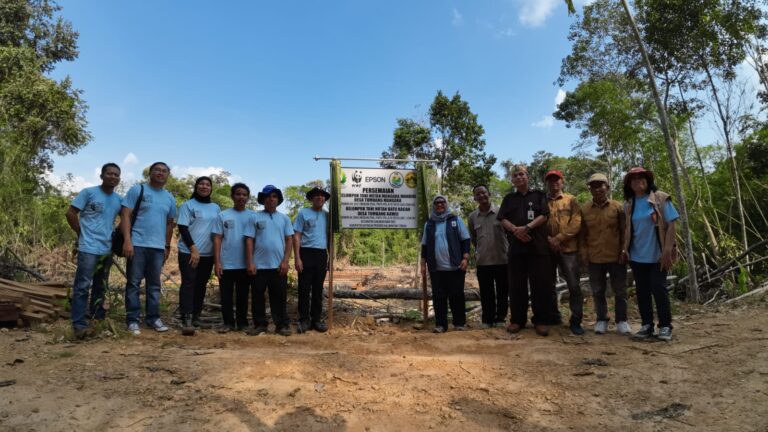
378	198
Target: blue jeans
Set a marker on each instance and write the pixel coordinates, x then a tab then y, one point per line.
91	278
147	263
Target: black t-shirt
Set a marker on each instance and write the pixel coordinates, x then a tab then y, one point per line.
515	208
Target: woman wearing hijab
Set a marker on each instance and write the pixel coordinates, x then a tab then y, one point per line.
445	252
197	217
649	246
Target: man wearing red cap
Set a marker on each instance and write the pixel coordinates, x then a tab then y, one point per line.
562	228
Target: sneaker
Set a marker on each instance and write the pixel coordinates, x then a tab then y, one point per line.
576	329
486	326
134	328
303	327
514	328
458	328
438	329
541	330
623	328
320	326
284	331
645	332
665	334
159	326
601	327
255	331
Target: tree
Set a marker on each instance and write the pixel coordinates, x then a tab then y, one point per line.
39	116
453	138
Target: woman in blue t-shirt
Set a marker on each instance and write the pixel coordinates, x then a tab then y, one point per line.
196	219
649	245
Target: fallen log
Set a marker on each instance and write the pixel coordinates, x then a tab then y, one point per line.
393	293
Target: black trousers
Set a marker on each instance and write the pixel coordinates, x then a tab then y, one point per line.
194	282
311	281
494	292
277	286
448	288
536	269
651	285
235	287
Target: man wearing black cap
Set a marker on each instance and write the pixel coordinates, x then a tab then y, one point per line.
310	244
268	241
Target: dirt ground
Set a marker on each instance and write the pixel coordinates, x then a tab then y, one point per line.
393	377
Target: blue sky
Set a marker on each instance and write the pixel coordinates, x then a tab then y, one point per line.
259	88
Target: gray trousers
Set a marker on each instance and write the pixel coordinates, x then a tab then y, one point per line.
568	266
599	284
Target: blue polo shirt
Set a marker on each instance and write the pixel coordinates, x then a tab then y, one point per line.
645	245
442	253
157	206
199	218
230	224
269	231
313	226
97	219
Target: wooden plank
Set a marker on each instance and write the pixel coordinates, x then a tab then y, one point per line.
34	288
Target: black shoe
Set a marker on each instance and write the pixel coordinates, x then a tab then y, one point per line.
196	320
187	328
255	331
225	329
303	327
320	326
284	331
83	333
576	329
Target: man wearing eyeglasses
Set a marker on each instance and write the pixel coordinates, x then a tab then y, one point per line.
523	214
147	244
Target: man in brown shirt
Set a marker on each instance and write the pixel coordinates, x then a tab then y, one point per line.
600	247
490	243
563	226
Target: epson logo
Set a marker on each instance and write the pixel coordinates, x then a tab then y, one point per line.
375	179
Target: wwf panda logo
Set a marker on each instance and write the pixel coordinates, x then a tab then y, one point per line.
357	176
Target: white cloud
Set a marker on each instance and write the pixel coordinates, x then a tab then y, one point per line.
545	123
559	98
548	121
458	18
533	13
130	159
68	183
181	172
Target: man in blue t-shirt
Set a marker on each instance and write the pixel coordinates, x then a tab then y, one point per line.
147	244
310	244
92	217
268	241
230	265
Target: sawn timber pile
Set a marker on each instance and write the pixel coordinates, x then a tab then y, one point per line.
34	302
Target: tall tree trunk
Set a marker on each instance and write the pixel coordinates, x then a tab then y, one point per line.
693	287
731	156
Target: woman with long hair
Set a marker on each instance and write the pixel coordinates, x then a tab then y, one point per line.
649	246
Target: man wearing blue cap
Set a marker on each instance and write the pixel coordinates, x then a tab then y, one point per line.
268	243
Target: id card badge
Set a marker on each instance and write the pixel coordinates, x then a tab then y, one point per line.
530	211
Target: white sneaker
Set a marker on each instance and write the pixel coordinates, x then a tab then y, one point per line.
159	326
133	328
623	328
601	327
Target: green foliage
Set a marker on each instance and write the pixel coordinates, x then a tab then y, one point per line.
296	197
453	137
39	116
373	247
